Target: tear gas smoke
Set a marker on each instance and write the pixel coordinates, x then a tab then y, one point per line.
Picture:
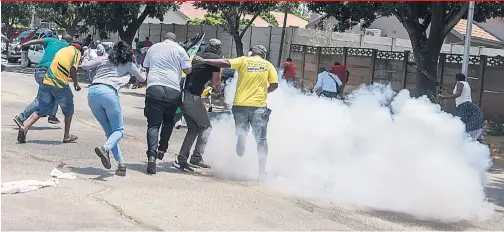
409	157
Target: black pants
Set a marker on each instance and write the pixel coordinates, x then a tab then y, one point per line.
161	104
257	118
198	126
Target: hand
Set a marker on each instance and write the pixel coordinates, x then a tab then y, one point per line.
198	59
442	97
77	87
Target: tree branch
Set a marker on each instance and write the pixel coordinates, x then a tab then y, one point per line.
452	20
248	25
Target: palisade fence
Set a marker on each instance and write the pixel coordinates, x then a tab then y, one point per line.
367	66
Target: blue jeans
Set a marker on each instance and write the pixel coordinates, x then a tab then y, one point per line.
105	106
257	118
30	109
52	95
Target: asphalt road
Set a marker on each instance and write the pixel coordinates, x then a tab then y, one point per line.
169	200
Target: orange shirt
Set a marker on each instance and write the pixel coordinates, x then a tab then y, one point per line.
291	70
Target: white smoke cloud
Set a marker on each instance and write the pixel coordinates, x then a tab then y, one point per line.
417	161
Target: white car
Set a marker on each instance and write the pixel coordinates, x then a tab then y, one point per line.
36	52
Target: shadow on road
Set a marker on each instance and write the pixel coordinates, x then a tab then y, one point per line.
406	219
101	173
44	142
14	127
161	167
495	192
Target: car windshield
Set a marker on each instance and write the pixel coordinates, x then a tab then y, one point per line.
21	36
38	35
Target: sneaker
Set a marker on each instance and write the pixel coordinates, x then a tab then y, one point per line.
200	164
182	166
121	170
53	120
104	155
18	121
160	155
151	165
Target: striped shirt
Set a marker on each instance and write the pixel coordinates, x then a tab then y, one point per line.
59	71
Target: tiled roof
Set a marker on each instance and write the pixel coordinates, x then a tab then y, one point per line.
192	12
292	20
475	32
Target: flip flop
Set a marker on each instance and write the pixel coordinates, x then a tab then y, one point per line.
72	139
21	138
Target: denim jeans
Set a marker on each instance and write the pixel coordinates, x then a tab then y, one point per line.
51	95
30	109
105	106
257	118
198	126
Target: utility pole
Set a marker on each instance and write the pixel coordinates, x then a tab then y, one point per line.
467	44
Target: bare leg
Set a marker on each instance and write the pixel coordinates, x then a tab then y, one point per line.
31	120
68	121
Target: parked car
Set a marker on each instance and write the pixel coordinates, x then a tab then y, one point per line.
14	50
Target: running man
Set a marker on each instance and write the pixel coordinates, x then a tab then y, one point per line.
194	111
51	47
289	73
256	78
54	89
164	64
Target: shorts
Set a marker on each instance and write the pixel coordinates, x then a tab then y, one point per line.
62	96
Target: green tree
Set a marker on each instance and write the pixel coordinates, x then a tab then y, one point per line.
234	13
125	18
66	15
208	19
427	24
14	13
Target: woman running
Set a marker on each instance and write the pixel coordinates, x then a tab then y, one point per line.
470	114
111	73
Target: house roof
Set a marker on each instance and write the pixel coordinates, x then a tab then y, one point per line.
476	31
460	28
292	20
192	12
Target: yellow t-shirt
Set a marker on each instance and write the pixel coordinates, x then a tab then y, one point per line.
254	76
59	71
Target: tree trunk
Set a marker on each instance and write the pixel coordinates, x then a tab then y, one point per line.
239	46
128	35
426	85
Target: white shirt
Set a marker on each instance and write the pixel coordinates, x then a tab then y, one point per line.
165	61
326	82
466	93
111	74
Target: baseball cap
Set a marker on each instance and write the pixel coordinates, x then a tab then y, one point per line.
260	48
215	43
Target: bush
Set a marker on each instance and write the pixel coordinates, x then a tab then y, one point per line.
495	128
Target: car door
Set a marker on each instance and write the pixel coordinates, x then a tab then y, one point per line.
36	53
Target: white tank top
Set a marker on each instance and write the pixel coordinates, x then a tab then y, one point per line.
466	93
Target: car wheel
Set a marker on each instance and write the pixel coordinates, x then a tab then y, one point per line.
12	60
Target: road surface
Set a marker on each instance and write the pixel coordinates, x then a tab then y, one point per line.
169	200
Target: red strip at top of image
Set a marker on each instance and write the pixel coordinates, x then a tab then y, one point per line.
244	1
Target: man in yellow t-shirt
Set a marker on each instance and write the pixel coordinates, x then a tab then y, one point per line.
256	78
55	89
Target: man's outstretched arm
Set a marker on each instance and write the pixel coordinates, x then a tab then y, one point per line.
220	63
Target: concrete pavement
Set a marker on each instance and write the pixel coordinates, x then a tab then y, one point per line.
169	200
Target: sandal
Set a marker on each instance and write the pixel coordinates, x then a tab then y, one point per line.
21	138
72	139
